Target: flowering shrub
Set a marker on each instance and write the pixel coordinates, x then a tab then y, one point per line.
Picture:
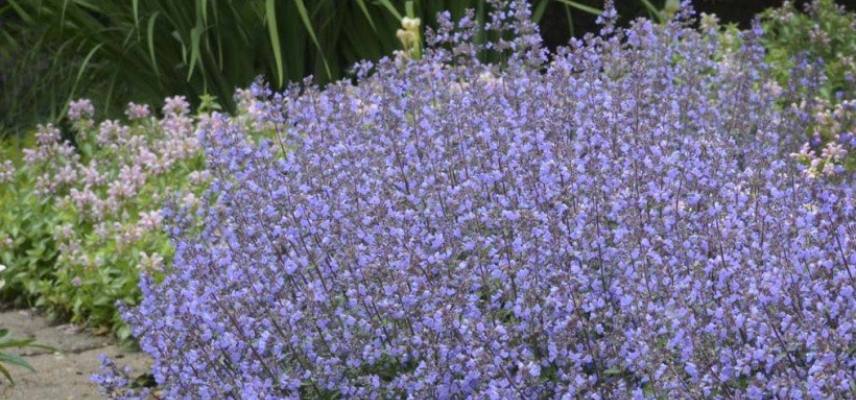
96	204
824	33
621	221
832	148
817	50
26	224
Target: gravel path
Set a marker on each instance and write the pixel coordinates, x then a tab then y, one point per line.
63	374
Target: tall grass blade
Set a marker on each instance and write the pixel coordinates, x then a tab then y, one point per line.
6	373
582	7
150	33
539	9
652	10
135	9
195	35
365	10
83	66
15	360
304	15
270	15
391	9
20	11
62	15
570	17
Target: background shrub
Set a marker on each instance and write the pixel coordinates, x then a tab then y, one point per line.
53	51
622	221
818	47
147	50
822	34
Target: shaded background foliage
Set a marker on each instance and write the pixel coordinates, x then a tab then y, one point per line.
52	51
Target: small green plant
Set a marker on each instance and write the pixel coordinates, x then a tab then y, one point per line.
7	358
81	210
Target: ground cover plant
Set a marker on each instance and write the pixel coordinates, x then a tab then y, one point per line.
623	219
26	223
81	211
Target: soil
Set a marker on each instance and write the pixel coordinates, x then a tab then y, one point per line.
65	372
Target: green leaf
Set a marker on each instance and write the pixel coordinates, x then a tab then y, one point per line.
365	10
304	16
150	39
273	31
15	360
538	11
5	373
582	7
195	35
124	332
391	9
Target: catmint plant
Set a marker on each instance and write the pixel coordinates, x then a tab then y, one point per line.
620	219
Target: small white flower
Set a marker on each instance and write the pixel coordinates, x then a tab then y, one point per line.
410	24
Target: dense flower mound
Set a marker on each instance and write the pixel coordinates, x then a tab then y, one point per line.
623	220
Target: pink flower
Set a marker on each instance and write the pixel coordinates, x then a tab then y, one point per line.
80	109
137	111
176	106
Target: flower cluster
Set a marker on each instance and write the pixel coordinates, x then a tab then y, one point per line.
7	171
80	109
409	36
137	111
52	160
622	221
832	148
115	383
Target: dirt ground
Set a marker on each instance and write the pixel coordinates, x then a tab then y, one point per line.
65	373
